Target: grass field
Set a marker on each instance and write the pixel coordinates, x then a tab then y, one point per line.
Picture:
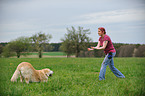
75	77
49	53
44	55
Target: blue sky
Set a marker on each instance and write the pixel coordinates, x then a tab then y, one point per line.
124	20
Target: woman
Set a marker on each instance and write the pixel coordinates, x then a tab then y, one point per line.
105	44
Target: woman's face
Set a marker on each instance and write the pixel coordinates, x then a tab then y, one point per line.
100	33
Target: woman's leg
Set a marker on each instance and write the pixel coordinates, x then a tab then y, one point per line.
116	72
103	68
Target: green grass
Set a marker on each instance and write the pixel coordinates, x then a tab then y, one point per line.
47	53
75	77
54	53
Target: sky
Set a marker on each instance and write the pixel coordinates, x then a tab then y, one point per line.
124	20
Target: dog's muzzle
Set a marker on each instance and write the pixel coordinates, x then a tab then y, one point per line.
51	72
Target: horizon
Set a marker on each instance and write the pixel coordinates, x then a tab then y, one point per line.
90	42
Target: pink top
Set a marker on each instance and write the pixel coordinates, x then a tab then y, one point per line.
109	48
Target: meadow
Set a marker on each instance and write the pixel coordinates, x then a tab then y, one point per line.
44	54
49	53
75	77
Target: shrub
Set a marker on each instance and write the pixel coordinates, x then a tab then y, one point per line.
140	52
126	51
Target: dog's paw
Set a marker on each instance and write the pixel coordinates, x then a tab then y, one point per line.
13	80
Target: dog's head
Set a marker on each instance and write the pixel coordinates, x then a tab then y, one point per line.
47	72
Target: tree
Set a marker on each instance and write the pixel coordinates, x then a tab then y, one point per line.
75	41
19	45
66	46
7	51
39	40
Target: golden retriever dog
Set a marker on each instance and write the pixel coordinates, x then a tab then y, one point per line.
26	71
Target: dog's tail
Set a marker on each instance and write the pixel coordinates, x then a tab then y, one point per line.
15	76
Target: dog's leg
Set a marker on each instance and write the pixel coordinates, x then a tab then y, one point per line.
15	76
21	78
45	80
27	80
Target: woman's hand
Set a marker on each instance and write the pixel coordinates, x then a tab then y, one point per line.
89	49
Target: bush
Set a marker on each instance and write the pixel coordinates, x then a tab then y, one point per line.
126	51
95	53
86	54
140	52
7	51
99	53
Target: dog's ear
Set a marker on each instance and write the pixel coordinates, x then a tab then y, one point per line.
46	70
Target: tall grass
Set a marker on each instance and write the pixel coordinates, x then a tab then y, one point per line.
75	77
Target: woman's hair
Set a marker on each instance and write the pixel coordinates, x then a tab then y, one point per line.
102	29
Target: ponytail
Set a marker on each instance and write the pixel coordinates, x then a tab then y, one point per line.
104	32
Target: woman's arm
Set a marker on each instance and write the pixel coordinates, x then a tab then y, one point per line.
101	48
98	45
92	48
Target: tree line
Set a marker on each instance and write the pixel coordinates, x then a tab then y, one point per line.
75	42
122	50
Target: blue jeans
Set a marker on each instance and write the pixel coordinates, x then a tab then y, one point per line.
109	62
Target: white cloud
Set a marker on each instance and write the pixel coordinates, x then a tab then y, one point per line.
112	17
